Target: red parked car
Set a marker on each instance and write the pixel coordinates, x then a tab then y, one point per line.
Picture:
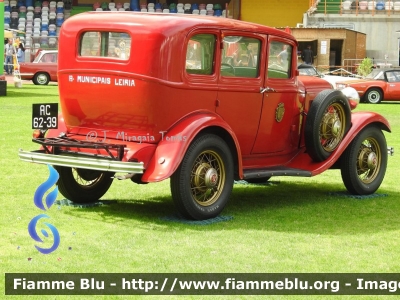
201	101
43	69
379	85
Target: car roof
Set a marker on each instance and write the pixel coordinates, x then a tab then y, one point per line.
378	70
168	24
48	51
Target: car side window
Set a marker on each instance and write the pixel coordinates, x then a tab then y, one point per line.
48	58
200	54
397	76
105	44
279	60
391	77
240	57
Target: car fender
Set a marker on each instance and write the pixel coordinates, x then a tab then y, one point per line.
359	121
175	142
382	88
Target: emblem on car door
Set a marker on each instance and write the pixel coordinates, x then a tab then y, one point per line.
279	112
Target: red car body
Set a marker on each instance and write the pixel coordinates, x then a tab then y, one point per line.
381	84
43	69
200	100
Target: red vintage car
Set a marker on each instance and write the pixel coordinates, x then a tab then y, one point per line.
43	69
380	84
202	101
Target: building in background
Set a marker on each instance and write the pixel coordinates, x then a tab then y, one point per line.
378	22
332	47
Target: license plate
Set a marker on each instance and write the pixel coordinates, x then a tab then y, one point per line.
45	116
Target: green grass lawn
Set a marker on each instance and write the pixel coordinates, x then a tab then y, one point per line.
290	225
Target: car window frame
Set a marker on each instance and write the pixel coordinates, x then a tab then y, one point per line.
276	39
200	78
118	59
237	61
248	81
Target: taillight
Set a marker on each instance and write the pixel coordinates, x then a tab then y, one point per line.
38	133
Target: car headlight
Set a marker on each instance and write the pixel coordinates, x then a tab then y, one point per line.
352	95
341	86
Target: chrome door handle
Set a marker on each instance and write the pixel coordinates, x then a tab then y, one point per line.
267	89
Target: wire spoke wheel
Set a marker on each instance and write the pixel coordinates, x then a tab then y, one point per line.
83	185
203	182
328	121
364	163
369	160
207	178
332	127
87	178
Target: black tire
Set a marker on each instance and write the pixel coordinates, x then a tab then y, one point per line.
82	185
373	96
258	180
41	78
328	120
202	184
363	164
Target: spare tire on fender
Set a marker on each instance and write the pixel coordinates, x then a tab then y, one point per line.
328	120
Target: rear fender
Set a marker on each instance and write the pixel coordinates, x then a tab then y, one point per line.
175	142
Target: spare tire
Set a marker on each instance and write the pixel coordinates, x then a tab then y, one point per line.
328	120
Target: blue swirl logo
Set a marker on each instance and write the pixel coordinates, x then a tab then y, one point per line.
35	236
38	201
44	187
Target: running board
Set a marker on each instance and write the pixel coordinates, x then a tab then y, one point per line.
275	171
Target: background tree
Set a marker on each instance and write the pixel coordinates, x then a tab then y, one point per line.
365	67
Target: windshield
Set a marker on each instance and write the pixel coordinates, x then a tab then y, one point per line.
375	74
308	71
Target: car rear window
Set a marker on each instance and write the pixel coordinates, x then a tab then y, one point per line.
200	54
105	44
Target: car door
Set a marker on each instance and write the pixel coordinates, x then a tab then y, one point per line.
279	128
239	100
393	85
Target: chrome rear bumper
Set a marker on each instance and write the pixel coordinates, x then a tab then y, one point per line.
77	161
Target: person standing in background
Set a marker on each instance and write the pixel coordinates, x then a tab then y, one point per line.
21	53
283	57
307	55
9	51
